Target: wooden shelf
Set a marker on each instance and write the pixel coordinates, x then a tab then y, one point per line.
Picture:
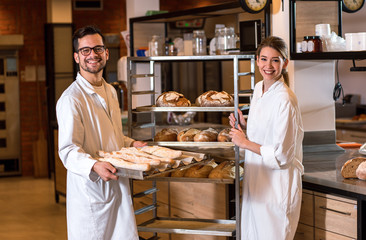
189	226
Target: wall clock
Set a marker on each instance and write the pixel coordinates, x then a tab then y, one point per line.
255	6
352	6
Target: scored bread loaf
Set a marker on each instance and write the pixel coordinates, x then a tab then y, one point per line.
166	135
172	99
208	135
224	135
361	171
187	135
215	99
225	170
349	168
200	170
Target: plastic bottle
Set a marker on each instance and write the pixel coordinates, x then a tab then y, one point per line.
154	46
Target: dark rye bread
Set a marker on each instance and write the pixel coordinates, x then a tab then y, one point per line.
349	168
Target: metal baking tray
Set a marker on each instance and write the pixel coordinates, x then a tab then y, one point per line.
196	144
192	108
142	175
213	227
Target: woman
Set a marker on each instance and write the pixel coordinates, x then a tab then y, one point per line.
273	157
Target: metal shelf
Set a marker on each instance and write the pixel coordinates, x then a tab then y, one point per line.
190	109
214	227
191	226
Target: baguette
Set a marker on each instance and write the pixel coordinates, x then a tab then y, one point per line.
349	168
127	156
162	152
138	152
117	162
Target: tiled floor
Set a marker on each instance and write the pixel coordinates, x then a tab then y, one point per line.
28	210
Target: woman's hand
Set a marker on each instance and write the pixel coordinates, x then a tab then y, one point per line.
242	121
238	137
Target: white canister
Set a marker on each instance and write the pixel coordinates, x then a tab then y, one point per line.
361	39
322	29
351	41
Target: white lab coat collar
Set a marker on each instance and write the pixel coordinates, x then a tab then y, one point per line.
85	84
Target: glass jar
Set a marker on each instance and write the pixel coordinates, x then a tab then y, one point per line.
225	40
154	46
314	44
199	42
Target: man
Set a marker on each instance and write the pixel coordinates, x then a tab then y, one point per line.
99	204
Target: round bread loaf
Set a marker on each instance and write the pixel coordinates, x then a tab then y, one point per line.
200	170
208	135
166	134
224	135
225	170
187	135
215	99
179	172
361	171
172	99
349	168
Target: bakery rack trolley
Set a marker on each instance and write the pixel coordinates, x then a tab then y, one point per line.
211	227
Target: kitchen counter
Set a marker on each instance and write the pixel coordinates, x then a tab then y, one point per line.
324	169
355	126
323	174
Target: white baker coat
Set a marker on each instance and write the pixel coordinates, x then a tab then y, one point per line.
95	209
272	182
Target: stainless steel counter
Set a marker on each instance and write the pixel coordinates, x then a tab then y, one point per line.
323	170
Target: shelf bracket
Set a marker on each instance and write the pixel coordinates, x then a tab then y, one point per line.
357	69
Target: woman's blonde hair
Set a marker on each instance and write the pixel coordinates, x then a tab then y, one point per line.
279	45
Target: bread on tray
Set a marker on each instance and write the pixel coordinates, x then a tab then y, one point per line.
215	99
208	135
225	170
349	168
200	170
166	135
187	135
224	135
172	99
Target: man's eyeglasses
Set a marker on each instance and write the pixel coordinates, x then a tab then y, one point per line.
87	50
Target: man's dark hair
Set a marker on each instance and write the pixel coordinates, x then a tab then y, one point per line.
82	32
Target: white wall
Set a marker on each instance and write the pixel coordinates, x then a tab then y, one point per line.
312	81
353	82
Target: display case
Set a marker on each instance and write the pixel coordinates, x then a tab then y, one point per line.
214	227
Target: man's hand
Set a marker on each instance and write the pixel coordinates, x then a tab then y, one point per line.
105	170
139	144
